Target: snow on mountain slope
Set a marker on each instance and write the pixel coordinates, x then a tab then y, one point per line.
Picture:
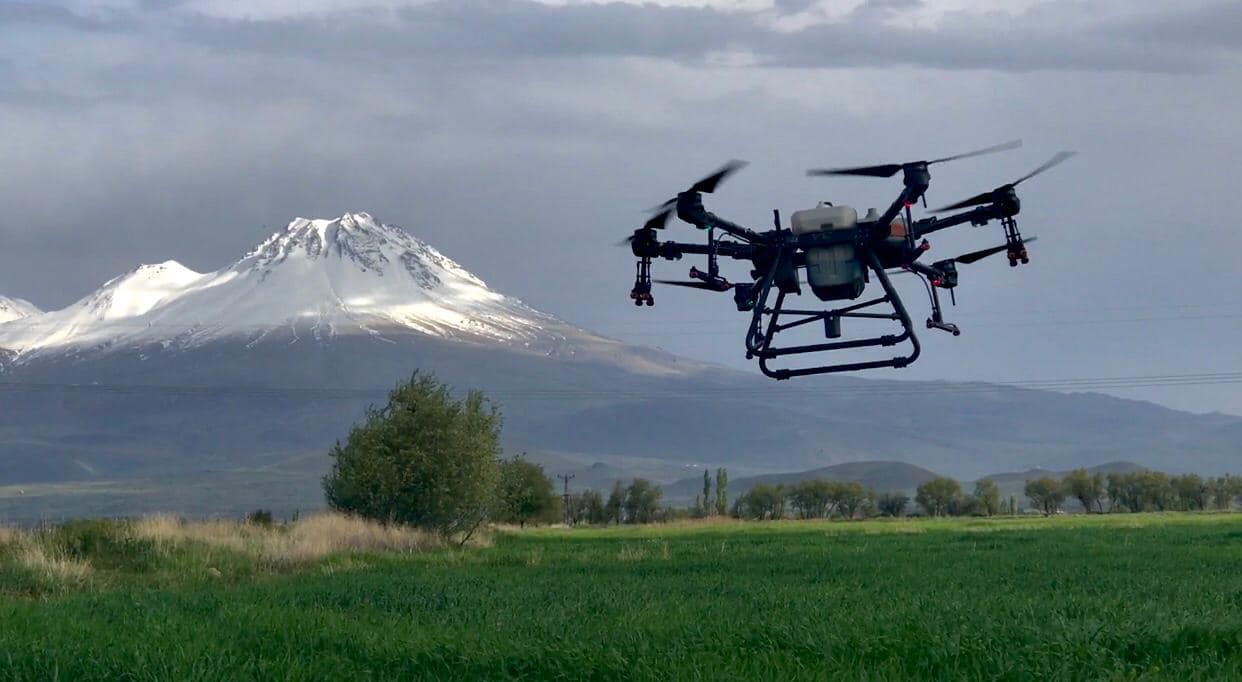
16	308
350	275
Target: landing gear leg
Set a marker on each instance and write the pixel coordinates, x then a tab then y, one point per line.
936	321
641	293
1013	239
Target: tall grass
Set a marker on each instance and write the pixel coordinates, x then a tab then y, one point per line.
53	568
305	540
164	550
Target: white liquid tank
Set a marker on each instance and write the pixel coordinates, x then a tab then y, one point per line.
834	272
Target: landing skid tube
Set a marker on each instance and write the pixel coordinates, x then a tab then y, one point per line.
759	340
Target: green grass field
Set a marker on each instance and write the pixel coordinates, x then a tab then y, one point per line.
1111	597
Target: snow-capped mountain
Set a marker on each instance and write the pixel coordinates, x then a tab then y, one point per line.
16	309
316	278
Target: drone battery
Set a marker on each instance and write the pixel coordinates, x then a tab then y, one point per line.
834	272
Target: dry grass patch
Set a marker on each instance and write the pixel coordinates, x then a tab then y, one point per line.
318	536
303	541
52	568
9	536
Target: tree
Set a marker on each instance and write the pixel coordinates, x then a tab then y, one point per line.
964	505
811	498
1086	487
722	491
589	508
850	497
936	495
1191	492
642	501
615	507
424	459
525	495
1123	492
988	496
707	505
1046	494
1153	490
893	504
1225	490
763	501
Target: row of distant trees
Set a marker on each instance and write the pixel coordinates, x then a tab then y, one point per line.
1135	491
822	499
813	499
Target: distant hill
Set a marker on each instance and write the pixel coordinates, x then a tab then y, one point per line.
879	476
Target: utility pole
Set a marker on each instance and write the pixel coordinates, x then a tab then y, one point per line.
565	478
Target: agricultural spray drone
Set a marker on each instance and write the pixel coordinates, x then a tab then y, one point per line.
838	252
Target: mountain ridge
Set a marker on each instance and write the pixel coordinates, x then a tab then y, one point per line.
326	277
16	309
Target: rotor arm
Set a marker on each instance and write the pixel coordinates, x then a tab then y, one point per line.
690	209
977	216
671	250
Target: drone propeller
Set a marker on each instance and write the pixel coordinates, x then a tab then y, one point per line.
707	185
967	258
660	214
988	197
888	170
659	220
711	182
706	286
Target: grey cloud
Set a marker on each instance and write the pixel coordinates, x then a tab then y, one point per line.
509	29
1218	25
15	12
793	6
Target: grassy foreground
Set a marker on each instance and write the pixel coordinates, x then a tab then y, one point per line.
1114	597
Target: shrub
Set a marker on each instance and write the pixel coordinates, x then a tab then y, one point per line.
260	517
892	504
424	459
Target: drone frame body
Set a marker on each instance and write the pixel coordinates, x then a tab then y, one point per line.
777	254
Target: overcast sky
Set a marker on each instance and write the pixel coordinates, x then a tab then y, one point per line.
523	138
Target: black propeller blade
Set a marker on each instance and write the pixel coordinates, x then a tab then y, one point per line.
711	182
706	286
661	213
987	197
888	170
973	256
660	219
